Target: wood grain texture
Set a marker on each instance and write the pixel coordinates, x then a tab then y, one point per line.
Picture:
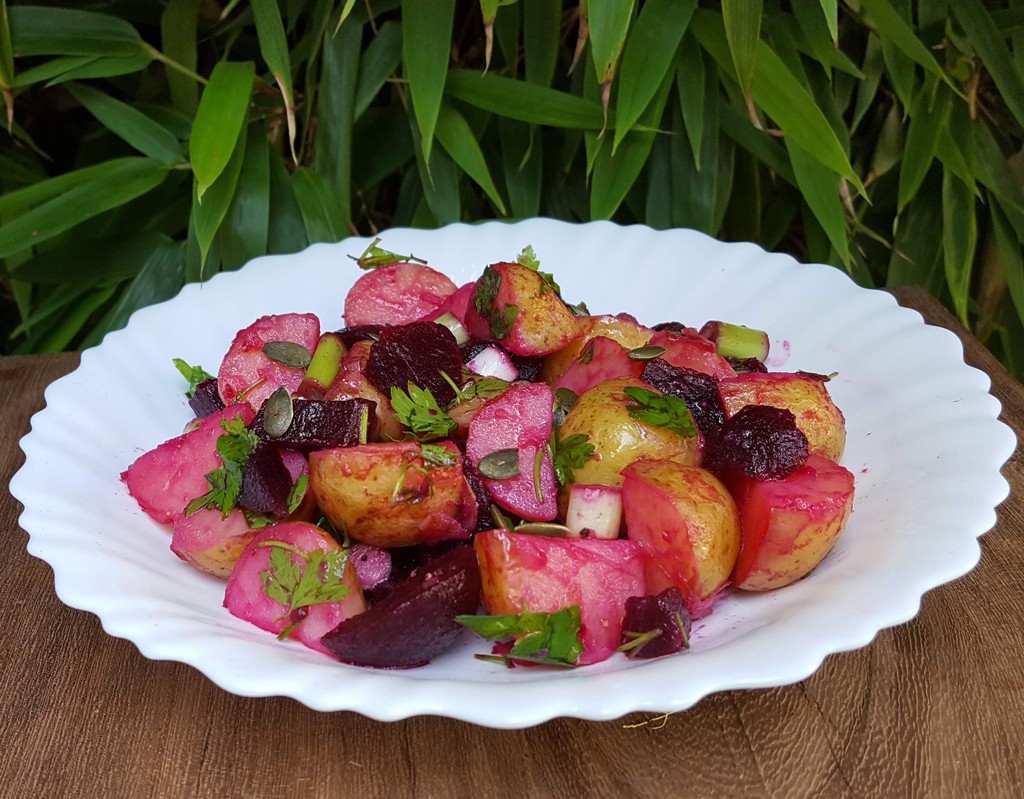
934	707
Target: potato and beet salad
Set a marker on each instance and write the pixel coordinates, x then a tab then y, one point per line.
569	486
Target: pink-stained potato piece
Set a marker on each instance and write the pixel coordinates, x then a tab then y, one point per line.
396	294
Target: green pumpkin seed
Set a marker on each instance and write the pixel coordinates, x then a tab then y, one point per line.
500	465
288	353
648	353
278	412
548	529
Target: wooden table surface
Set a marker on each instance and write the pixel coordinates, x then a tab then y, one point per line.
932	708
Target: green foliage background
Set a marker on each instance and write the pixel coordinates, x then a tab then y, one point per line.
881	136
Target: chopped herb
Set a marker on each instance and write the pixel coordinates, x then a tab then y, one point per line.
258	521
499	518
485	300
528	258
374	256
476	386
569	454
588	354
538	461
438	456
298	493
403	494
193	374
319	579
552	639
579	309
225	482
660	410
419	411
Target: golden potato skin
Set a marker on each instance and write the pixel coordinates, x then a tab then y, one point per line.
686	520
602	414
622	328
384	494
816	414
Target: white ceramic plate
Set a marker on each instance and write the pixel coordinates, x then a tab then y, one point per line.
924	444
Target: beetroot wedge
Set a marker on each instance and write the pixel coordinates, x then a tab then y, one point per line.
415	353
324	424
416	621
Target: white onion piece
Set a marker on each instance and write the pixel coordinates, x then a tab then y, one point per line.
595	508
493	362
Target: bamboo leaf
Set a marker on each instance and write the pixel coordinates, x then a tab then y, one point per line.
208	211
783	98
53	68
541	25
160	278
113	172
321	212
892	27
274	49
384	139
820	189
105	67
743	31
220	121
929	116
609	25
916	257
141	132
615	173
40	30
830	8
524	101
696	185
522	162
82	201
178	31
345	11
990	44
378	62
74	319
1010	259
333	146
648	57
764	147
86	260
6	49
872	66
426	39
690	86
439	181
243	235
458	139
286	232
959	241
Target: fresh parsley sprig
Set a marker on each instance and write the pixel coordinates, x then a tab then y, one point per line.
660	410
374	256
485	300
552	639
318	579
225	481
193	374
528	258
419	411
568	454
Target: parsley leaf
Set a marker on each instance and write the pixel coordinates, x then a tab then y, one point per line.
298	492
528	258
475	386
485	300
419	411
193	374
660	410
437	456
319	578
374	256
225	481
568	454
552	639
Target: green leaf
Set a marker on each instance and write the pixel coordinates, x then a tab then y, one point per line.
549	638
830	8
820	189
959	240
378	62
648	58
609	24
990	44
527	102
322	214
426	41
220	121
208	213
53	68
83	200
660	410
440	184
916	257
1010	259
690	86
541	27
178	33
24	199
760	144
286	231
522	162
459	141
336	115
74	319
929	117
783	98
274	49
121	119
891	27
419	411
742	20
6	49
40	30
89	260
244	234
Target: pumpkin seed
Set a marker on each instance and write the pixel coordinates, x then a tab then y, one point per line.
278	412
288	353
549	529
500	464
648	353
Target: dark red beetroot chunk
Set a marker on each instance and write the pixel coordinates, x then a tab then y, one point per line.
698	390
324	424
671	327
266	482
416	621
760	442
660	625
415	353
529	366
206	399
742	365
483	496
